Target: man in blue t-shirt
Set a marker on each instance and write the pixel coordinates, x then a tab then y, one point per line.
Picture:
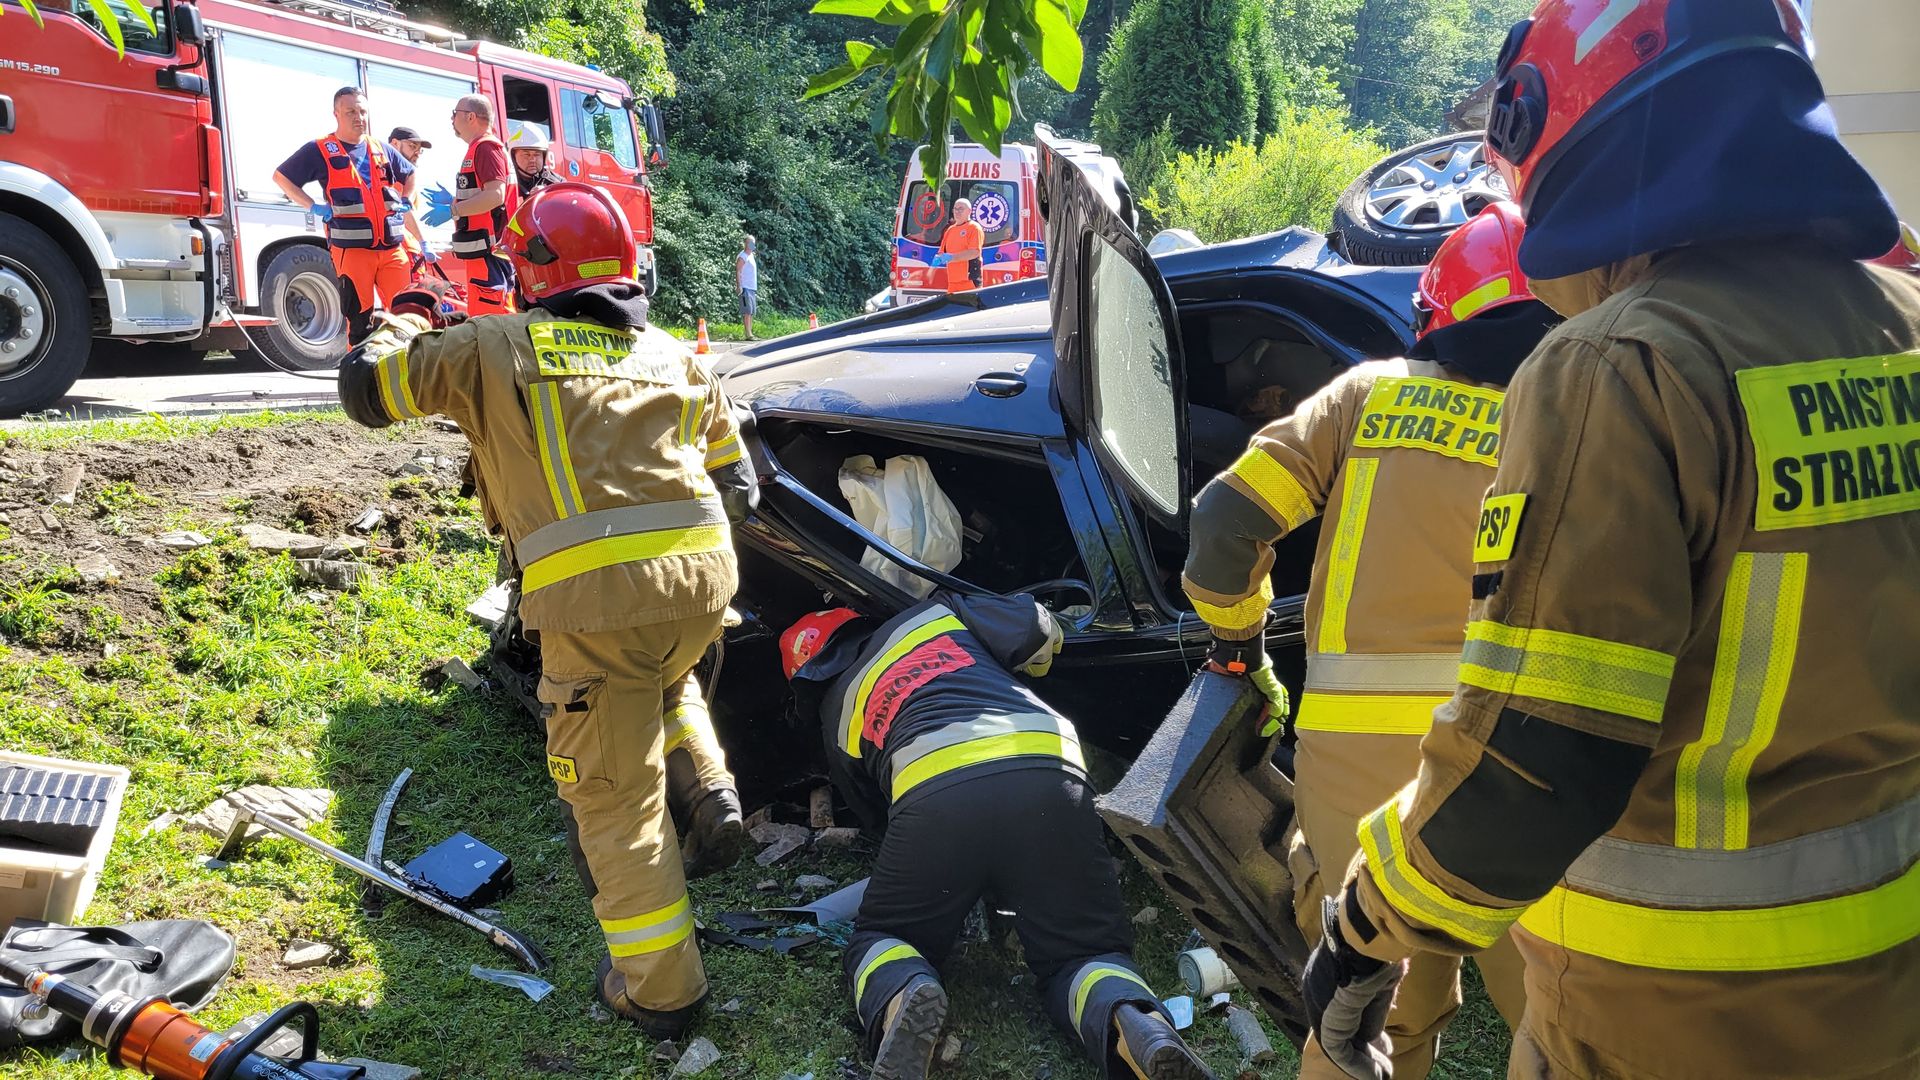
368	189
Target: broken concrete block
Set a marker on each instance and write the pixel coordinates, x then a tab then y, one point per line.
1146	916
335	574
301	807
160	824
813	881
415	466
839	838
820	808
950	1050
382	1070
67	483
700	1055
780	840
490	610
95	570
50	522
769	885
182	540
345	547
452	670
302	954
267	538
369	520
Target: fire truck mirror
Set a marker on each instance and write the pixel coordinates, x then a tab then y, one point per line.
188	27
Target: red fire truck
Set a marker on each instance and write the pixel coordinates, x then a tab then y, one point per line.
137	202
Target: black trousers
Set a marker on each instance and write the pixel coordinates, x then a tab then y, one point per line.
1029	841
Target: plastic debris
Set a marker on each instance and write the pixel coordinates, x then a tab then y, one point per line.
1182	1009
700	1055
534	988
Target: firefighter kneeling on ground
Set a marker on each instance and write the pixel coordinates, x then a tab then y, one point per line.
609	458
1396	454
1681	766
983	792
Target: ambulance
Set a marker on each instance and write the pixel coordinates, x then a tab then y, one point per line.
1000	188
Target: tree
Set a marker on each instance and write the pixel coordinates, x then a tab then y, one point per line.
1207	69
1412	59
1312	37
611	34
1293	177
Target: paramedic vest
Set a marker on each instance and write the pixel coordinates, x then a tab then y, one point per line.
476	234
365	214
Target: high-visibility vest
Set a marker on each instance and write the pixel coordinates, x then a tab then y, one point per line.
476	234
367	213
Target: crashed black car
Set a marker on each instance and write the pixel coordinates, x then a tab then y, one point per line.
1069	421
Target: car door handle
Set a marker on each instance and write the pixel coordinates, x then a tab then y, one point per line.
7	115
1000	384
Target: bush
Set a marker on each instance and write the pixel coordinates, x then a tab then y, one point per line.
1208	69
1294	177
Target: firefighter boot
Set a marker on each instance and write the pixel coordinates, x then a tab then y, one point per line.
909	1030
657	1025
700	793
716	834
1149	1046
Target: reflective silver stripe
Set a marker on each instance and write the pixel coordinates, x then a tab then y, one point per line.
335	232
472	247
617	521
346	209
851	695
1435	673
1832	862
983	728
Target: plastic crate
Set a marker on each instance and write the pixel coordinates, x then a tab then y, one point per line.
38	882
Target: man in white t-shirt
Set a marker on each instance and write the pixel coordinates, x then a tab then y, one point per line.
746	283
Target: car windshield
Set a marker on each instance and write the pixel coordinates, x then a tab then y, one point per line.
996	208
1134	407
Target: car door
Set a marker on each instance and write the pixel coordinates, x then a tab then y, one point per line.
1119	369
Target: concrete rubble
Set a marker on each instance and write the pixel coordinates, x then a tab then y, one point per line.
335	574
301	807
182	540
267	538
302	954
780	840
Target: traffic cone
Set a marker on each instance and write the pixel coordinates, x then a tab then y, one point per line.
813	320
701	344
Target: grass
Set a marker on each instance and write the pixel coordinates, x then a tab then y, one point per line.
42	435
254	678
765	325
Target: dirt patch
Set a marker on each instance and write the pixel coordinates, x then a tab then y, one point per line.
314	477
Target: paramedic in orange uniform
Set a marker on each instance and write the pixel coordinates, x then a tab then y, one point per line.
960	247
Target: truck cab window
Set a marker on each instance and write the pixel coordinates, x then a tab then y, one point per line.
527	100
158	41
592	124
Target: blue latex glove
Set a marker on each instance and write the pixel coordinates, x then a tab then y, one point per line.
322	211
941	260
429	256
439	206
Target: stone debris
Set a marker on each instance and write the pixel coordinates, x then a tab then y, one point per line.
369	520
452	670
812	882
335	574
780	841
208	862
95	570
490	610
838	838
1146	916
50	522
769	885
67	484
950	1048
345	547
300	807
302	954
182	540
160	824
700	1056
267	538
820	808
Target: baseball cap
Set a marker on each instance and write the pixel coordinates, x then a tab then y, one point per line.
403	134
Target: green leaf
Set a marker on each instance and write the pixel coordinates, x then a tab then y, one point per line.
830	80
859	9
860	54
110	22
973	107
903	12
34	13
1077	10
1060	51
939	65
911	38
145	17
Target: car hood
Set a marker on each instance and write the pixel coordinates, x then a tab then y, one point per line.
981	362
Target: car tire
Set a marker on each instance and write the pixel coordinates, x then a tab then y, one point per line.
1390	216
44	319
301	292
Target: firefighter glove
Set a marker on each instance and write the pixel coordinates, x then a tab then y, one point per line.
322	211
1041	661
1248	660
1348	994
439	206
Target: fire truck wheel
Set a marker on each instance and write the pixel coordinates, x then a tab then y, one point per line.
301	292
44	334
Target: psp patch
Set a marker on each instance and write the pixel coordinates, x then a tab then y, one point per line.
1499	525
562	769
1834	440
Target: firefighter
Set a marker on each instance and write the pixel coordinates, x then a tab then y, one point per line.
982	790
528	145
369	191
1396	454
1682	763
483	201
609	459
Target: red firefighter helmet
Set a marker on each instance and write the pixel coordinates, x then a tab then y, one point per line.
1474	272
568	235
1576	63
1905	254
804	639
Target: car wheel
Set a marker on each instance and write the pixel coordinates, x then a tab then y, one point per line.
1402	208
302	293
44	336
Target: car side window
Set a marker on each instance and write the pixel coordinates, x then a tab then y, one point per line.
1130	352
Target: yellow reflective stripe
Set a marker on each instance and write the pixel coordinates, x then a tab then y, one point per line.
652	932
1802	935
1368	714
1344	555
550	430
1085	981
1248	613
1285	499
1467	306
901	951
679	726
1759	635
992	748
390	371
613	550
1406	889
1572	669
723	453
912	640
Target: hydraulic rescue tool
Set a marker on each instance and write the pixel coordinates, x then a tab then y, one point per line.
150	1036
